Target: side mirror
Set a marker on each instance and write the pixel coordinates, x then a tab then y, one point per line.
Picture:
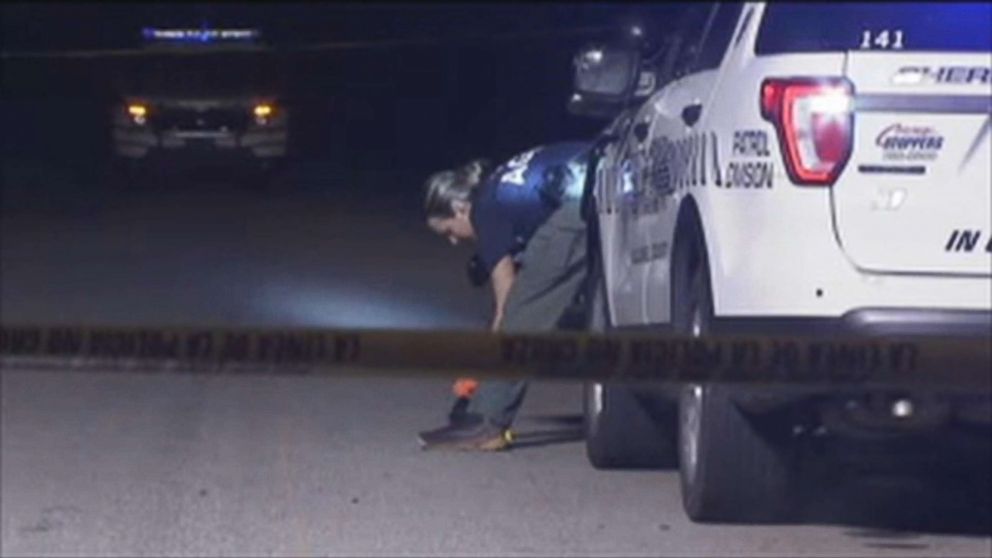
605	79
647	81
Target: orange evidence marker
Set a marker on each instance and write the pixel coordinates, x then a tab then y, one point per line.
465	387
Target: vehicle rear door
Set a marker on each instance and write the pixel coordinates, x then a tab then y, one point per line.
916	194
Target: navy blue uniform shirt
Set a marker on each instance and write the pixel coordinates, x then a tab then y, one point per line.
520	195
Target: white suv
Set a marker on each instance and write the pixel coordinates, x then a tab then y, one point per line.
799	168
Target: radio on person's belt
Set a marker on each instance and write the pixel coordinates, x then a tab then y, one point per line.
554	185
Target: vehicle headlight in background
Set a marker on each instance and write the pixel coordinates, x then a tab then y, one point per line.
262	112
138	113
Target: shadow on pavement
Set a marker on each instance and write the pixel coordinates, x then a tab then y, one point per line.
539	438
564	420
889	511
567	429
886	511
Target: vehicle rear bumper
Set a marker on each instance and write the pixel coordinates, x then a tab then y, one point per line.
859	412
914	321
866	412
870	322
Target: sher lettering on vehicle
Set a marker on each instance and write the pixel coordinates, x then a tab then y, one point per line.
943	74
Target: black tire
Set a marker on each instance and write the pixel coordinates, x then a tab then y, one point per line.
733	467
622	429
622	433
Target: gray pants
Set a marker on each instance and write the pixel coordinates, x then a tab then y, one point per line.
552	269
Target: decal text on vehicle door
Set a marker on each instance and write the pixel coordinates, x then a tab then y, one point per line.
967	240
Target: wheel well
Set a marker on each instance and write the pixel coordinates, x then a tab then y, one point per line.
690	241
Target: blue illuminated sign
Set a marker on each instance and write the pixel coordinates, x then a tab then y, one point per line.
204	35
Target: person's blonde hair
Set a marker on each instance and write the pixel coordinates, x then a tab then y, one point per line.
443	188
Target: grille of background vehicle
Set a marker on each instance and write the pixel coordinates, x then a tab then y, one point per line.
186	119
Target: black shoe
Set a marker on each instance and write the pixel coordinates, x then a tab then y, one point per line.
459	414
480	436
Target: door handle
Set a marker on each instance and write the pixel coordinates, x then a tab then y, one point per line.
691	114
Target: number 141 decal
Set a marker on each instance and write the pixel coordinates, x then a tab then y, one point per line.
883	39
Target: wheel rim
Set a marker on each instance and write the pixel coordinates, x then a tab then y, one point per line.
597	398
696	326
696	323
691	402
690	432
690	439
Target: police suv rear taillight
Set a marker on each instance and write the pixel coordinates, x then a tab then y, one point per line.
814	121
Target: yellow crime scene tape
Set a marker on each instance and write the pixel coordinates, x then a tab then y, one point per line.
927	362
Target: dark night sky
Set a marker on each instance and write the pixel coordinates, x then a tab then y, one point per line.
86	25
410	107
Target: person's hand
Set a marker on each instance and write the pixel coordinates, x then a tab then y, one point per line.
465	387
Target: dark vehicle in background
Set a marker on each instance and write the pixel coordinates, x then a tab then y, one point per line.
178	108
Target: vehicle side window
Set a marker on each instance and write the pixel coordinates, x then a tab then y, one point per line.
664	62
743	27
717	39
692	26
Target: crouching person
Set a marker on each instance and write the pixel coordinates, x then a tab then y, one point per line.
525	222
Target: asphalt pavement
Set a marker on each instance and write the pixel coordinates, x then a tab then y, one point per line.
95	464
